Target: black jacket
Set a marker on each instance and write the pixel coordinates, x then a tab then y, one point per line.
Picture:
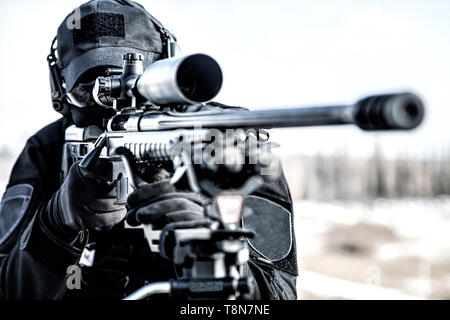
34	264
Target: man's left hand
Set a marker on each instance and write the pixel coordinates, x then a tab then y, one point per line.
160	203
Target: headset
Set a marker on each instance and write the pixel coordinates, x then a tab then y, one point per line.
57	85
59	95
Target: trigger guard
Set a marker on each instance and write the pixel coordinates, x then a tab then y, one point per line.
272	225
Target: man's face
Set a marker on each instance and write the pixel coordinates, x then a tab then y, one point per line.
81	95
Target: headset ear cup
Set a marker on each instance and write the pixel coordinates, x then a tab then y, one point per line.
61	107
58	91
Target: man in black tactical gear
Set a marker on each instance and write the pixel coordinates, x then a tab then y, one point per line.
45	223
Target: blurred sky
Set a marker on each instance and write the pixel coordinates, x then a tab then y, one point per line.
273	53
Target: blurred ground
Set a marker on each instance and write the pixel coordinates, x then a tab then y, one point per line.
388	249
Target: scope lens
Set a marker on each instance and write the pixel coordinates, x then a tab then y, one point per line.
186	80
199	78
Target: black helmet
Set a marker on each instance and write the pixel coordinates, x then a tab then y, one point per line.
97	34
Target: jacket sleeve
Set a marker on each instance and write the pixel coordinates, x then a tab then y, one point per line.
33	264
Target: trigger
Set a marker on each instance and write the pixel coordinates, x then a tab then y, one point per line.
178	174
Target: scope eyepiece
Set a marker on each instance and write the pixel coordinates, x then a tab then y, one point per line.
105	91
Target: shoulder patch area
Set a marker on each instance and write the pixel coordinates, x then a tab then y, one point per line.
13	206
272	226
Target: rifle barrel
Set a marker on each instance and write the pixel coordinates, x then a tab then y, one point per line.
403	111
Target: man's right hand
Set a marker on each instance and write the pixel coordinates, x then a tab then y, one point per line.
86	200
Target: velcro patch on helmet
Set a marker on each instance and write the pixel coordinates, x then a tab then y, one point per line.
101	24
272	225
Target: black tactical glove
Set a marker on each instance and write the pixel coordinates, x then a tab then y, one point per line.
86	200
160	203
